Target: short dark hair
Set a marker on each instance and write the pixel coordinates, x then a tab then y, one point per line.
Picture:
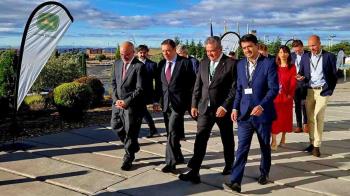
169	42
248	38
142	47
297	42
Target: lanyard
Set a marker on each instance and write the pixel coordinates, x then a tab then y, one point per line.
318	60
250	76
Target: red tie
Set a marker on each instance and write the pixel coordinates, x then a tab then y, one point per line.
168	72
124	71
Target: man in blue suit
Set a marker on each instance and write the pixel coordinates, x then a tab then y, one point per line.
257	87
300	91
319	72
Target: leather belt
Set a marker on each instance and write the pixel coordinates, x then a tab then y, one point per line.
316	88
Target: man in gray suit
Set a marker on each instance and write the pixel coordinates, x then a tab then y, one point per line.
128	101
212	99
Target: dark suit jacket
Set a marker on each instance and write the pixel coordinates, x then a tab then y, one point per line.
178	92
329	71
220	91
265	88
131	89
150	75
300	84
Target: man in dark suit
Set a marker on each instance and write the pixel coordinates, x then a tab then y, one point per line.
319	72
257	87
212	99
300	91
175	81
150	75
128	101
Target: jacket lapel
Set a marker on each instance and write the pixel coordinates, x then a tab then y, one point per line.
219	69
130	69
258	67
176	69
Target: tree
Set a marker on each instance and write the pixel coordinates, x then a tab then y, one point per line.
117	52
200	50
192	48
177	40
100	57
7	73
274	46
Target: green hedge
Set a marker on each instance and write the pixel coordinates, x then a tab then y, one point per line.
72	99
97	89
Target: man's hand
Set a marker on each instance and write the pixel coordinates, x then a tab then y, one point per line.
120	104
299	77
257	111
194	112
234	115
220	112
156	107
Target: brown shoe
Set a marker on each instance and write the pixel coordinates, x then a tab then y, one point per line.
305	128
316	152
298	130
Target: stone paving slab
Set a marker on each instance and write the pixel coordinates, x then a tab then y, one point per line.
90	160
157	183
14	185
75	177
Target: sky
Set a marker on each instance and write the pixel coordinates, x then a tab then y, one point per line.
105	23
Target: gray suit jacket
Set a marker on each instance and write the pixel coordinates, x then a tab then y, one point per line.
220	91
131	89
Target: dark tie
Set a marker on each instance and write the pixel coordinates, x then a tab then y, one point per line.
168	72
124	71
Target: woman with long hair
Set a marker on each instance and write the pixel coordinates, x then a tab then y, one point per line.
284	100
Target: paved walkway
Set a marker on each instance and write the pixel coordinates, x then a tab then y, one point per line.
87	162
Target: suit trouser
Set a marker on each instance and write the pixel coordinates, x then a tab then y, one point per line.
205	124
315	107
149	120
173	122
300	109
245	133
126	125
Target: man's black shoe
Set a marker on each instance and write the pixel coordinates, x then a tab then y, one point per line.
316	152
169	169
232	186
226	170
263	180
309	148
153	132
126	166
191	176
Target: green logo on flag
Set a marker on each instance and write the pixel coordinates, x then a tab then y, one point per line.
48	22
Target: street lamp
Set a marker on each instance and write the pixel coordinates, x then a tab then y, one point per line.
331	41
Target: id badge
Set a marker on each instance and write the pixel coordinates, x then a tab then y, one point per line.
248	91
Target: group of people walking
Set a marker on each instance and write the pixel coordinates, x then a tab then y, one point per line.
256	91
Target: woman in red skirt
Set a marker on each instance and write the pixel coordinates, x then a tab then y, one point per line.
284	100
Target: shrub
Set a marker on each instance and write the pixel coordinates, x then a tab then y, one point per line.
59	69
35	102
72	99
96	86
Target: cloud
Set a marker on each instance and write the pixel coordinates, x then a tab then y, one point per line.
270	17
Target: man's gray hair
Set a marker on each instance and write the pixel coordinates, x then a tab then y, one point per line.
214	40
181	48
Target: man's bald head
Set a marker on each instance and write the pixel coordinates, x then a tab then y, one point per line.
127	51
314	44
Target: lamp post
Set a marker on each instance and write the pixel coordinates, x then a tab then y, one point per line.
331	41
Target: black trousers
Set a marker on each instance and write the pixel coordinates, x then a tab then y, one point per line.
149	120
173	123
126	124
300	109
205	124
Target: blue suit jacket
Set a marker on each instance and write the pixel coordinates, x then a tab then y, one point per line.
265	88
329	71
